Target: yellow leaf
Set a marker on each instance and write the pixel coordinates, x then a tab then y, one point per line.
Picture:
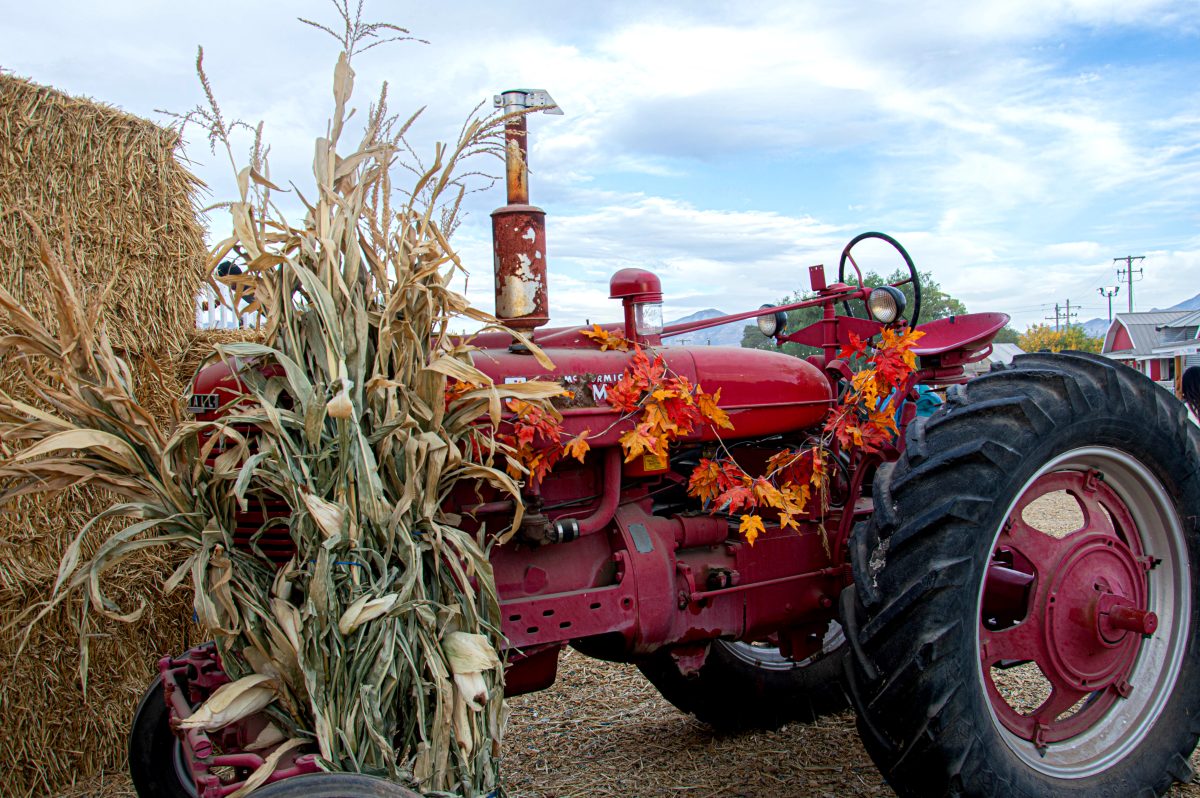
578	446
231	702
767	494
635	442
656	417
707	402
818	468
751	527
606	339
364	609
327	515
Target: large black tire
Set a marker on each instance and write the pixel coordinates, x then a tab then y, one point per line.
156	763
334	785
743	687
926	702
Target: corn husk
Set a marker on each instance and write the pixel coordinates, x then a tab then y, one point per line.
370	644
232	702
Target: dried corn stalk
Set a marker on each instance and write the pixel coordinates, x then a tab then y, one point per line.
372	645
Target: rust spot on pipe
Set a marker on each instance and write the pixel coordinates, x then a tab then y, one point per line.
516	160
519	244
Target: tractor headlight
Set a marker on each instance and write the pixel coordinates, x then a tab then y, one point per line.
647	318
771	324
885	304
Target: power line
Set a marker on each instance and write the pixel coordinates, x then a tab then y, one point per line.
1108	292
1127	273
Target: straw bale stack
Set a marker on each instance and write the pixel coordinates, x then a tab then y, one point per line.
113	181
114	178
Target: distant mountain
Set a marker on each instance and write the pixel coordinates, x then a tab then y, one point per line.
1188	304
722	335
1096	328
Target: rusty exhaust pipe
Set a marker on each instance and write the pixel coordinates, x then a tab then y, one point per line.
519	229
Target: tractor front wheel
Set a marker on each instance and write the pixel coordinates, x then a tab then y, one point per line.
334	785
157	765
1026	602
745	686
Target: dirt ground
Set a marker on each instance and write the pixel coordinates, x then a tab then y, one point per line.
602	731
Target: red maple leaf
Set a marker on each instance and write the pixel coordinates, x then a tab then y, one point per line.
735	498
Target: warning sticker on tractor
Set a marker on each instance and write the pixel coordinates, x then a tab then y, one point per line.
652	462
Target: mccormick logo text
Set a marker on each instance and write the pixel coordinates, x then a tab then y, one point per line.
597	382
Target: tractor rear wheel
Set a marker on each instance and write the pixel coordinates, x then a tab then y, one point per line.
744	686
1026	603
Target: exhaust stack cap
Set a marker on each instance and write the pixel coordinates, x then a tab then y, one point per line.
520	99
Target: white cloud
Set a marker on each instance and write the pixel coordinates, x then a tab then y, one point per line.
1009	160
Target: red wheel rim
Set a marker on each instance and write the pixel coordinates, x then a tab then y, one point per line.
1076	605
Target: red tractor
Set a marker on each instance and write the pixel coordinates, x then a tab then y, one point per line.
923	579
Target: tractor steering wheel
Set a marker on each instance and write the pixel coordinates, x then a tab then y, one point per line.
915	314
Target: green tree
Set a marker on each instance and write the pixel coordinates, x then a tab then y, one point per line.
1008	335
1041	337
935	304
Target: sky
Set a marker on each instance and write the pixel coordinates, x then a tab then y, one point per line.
1013	147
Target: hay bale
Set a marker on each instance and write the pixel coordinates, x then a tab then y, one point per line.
52	732
112	179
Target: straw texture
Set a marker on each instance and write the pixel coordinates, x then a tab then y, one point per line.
113	178
130	205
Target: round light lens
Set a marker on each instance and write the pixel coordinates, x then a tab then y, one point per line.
772	324
885	304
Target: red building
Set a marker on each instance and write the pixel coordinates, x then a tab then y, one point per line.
1160	343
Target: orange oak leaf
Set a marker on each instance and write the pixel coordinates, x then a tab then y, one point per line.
766	494
656	416
856	347
624	395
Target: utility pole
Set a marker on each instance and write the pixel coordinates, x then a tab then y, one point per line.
1062	318
1057	316
1108	292
1127	273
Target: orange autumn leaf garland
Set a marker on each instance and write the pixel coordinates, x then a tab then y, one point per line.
858	423
536	440
786	489
671	408
531	437
606	339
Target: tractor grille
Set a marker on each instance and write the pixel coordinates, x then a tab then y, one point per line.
275	542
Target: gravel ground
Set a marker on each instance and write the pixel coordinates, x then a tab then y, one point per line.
603	731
